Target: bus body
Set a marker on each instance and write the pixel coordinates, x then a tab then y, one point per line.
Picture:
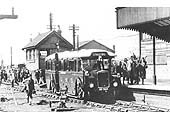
84	73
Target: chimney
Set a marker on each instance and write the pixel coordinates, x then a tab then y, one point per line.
59	30
113	48
31	38
12	10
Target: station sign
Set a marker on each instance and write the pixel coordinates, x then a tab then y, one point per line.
43	54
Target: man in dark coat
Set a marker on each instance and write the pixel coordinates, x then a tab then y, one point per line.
29	89
37	75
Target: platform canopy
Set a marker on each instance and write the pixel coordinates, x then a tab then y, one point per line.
154	21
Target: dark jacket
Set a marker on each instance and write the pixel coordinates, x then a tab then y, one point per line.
30	86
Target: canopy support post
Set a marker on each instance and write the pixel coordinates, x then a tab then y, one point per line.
154	65
140	39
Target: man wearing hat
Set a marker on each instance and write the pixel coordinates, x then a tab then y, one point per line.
125	72
29	89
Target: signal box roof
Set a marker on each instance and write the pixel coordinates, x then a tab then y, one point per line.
41	38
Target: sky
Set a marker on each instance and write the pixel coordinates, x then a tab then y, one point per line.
96	20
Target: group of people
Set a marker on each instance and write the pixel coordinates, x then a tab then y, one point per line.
39	76
16	76
24	77
132	70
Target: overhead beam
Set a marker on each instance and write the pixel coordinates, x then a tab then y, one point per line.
12	16
8	16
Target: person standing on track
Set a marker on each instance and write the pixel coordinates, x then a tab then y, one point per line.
42	74
11	77
37	75
29	89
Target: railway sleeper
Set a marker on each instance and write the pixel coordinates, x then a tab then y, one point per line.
71	100
116	109
136	106
153	109
163	110
109	107
87	103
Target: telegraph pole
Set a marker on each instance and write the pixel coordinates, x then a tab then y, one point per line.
12	16
51	26
74	28
77	42
11	56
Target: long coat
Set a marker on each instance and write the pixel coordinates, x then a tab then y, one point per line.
30	85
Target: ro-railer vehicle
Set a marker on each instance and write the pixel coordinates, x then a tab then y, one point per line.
85	73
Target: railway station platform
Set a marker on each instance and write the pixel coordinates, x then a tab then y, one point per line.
162	85
151	87
156	95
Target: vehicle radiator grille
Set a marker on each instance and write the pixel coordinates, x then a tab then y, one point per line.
103	79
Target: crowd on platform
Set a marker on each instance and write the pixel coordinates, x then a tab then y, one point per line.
132	70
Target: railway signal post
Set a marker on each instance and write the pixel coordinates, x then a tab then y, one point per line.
74	28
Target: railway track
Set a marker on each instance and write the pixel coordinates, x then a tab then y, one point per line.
119	106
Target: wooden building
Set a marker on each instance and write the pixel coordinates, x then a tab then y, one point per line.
93	44
43	45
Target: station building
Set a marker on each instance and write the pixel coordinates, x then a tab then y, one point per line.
43	45
162	56
155	22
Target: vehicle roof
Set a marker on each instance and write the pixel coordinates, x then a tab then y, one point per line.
77	54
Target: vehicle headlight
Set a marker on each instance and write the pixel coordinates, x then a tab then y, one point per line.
115	84
86	73
91	85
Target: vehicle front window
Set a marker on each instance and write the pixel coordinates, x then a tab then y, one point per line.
84	64
106	64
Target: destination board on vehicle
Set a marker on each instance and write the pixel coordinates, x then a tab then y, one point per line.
95	54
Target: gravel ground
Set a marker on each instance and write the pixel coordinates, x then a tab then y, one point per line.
17	102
